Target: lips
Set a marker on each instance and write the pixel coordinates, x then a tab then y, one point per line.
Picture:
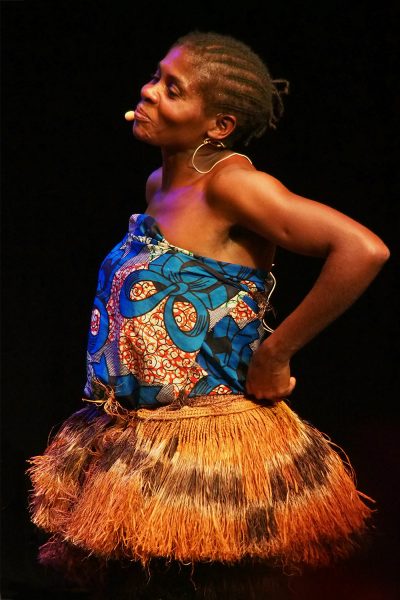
140	115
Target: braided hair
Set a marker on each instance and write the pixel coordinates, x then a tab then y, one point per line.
233	78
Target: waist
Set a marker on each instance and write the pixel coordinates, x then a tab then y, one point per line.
189	407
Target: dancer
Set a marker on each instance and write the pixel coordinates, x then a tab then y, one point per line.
186	448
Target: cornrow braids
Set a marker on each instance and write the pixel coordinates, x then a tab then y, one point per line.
233	78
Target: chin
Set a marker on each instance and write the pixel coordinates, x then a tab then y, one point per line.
142	136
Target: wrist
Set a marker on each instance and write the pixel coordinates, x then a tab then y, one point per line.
273	349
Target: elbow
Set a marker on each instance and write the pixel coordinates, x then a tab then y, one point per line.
377	253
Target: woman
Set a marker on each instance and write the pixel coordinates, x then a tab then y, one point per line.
186	448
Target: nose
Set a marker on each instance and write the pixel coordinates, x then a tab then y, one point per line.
149	92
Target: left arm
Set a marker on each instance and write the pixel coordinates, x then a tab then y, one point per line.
353	255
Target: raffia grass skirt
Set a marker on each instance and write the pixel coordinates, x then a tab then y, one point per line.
223	478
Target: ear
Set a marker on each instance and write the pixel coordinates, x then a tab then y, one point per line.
222	127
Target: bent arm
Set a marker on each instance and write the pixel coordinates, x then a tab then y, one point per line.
353	255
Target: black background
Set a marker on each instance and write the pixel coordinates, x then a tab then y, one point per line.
72	175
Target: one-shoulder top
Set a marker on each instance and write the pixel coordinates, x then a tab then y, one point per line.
168	324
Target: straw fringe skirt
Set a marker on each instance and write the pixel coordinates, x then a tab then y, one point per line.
221	479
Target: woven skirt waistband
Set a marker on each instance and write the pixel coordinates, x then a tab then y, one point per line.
190	407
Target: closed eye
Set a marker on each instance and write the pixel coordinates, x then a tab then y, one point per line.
172	90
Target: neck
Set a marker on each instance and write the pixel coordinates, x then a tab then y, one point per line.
177	169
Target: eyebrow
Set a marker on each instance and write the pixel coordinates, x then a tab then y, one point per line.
180	82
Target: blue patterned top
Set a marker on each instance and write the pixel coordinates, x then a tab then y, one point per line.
167	323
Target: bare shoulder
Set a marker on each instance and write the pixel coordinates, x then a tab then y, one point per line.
153	184
238	185
261	203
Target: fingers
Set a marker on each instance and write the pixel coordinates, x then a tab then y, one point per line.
274	395
130	115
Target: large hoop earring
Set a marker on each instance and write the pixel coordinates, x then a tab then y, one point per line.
207	141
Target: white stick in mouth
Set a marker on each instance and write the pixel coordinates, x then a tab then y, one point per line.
130	115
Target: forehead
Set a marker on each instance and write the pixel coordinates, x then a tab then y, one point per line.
178	63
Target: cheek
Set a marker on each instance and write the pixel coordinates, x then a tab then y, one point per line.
172	115
179	114
186	122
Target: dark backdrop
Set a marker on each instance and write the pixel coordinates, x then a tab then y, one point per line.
72	174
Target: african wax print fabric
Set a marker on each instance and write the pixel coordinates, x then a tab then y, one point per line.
169	324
